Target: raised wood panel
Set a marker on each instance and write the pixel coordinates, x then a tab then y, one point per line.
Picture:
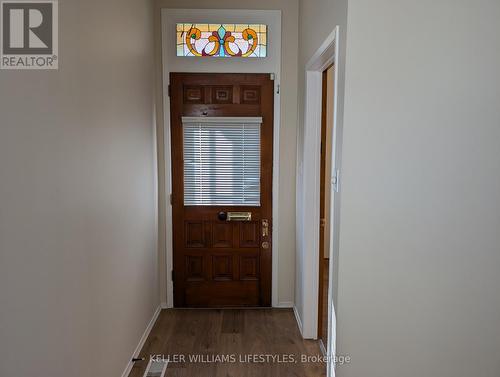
194	268
222	235
195	234
222	94
249	268
194	94
250	95
249	234
228	293
222	267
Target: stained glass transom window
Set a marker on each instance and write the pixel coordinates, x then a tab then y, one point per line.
222	40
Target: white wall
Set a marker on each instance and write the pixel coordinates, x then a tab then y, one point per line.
78	280
317	21
420	243
287	136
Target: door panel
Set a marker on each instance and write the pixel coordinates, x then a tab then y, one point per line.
249	236
217	262
195	234
194	267
222	235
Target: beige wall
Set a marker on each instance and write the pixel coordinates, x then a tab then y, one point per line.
420	241
78	267
289	56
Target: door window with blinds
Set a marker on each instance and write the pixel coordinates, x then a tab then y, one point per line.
221	161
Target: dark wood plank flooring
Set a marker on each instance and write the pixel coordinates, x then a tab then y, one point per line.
232	332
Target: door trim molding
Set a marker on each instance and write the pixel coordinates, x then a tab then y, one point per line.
297	318
271	65
325	56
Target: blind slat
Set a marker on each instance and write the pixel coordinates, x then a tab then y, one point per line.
222	163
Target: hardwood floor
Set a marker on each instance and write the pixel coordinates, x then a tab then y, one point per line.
235	333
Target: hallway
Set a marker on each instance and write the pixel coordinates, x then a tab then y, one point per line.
230	332
274	188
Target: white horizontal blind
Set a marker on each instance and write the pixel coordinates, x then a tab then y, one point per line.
221	161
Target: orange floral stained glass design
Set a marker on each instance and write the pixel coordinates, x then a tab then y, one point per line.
222	40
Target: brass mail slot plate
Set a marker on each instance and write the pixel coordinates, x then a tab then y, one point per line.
239	216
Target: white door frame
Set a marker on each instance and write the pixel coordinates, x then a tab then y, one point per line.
326	55
171	63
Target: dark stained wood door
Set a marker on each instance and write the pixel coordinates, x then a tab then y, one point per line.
221	263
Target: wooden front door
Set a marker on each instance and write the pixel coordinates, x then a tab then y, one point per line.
222	158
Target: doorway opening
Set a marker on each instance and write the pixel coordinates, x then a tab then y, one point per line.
326	159
168	63
308	203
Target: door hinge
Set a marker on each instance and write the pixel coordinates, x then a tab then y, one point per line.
173	276
336	180
169	90
171	198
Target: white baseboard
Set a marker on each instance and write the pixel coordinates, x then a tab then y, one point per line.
322	347
297	318
285	304
144	336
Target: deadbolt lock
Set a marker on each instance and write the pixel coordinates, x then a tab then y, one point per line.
265	245
265	228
